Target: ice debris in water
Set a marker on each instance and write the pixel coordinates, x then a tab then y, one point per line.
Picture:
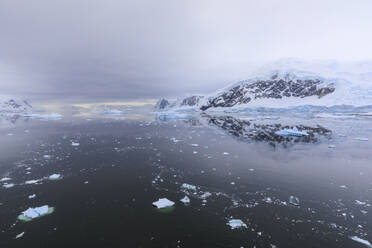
32	213
361	139
291	132
362	241
8	185
5	179
294	200
163	203
34	181
20	235
188	186
32	196
236	223
185	200
195	145
54	177
226	153
75	143
331	146
46	156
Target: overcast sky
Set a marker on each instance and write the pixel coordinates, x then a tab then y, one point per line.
95	50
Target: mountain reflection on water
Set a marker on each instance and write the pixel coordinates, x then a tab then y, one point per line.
248	130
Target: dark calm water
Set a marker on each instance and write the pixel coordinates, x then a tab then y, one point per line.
110	180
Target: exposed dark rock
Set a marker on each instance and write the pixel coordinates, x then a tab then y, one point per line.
162	104
275	88
191	101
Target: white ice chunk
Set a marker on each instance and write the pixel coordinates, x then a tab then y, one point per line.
362	241
33	181
20	235
361	139
195	145
236	223
331	146
294	200
185	200
32	196
5	179
226	153
54	176
188	186
8	185
75	143
163	203
36	212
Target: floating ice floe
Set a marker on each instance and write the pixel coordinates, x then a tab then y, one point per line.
174	140
8	185
331	146
75	143
5	179
236	223
291	132
225	153
185	200
163	203
294	200
32	213
19	235
343	186
188	186
47	156
32	196
54	177
362	241
195	145
361	139
34	181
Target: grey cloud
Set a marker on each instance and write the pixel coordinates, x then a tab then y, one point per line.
116	50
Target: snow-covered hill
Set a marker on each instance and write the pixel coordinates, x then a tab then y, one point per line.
14	106
293	83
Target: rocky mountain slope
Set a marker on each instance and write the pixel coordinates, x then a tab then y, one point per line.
14	106
290	83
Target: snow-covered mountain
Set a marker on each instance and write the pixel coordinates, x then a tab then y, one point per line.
14	106
293	82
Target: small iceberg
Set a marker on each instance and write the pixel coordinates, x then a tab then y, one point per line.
32	213
188	186
5	179
291	132
362	241
185	200
19	235
54	177
34	181
331	146
163	203
361	139
8	185
236	223
294	200
32	196
75	143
